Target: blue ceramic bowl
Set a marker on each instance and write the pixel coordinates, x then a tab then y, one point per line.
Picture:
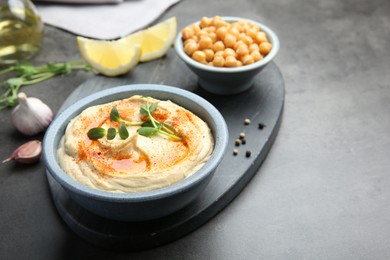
228	81
138	206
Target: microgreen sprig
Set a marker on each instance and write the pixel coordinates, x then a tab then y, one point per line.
114	116
27	74
148	128
152	126
99	132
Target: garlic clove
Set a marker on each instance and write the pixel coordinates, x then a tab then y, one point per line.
27	153
31	116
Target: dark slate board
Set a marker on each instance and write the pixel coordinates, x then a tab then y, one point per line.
263	104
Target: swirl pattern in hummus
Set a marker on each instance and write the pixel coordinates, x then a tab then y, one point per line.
137	163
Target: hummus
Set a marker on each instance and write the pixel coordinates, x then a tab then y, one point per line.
138	163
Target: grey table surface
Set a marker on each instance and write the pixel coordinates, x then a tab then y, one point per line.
323	191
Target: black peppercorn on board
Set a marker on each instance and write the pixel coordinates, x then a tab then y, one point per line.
255	114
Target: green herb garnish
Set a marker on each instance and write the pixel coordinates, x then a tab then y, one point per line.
147	131
148	128
111	133
123	133
114	116
99	132
96	133
27	74
152	126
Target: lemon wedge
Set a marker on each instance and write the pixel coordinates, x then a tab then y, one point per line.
114	58
156	40
110	58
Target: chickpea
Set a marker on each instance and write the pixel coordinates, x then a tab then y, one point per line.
235	31
215	19
218	46
202	33
219	53
230	61
213	36
221	32
190	48
254	27
195	38
195	27
238	43
188	41
252	32
247	40
237	26
245	28
218	61
205	42
240	28
260	37
256	55
253	47
265	48
242	50
221	23
210	29
229	40
239	63
199	56
248	59
205	22
209	54
229	52
242	37
187	33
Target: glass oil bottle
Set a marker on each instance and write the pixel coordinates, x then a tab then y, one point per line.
21	31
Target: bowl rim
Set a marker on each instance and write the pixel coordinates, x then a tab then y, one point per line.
273	38
61	121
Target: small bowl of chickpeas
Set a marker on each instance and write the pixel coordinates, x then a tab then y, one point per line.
226	53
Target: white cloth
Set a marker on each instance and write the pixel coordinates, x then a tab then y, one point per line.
103	21
81	1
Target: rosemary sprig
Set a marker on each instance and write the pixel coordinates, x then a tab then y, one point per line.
148	128
27	74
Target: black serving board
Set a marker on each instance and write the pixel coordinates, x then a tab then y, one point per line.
262	104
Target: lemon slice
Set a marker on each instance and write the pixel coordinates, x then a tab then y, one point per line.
110	58
156	40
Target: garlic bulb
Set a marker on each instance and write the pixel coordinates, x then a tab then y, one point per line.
31	116
27	153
